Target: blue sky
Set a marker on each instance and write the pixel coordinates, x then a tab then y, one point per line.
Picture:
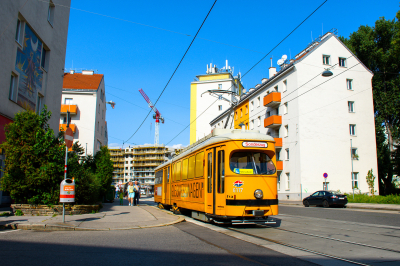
134	56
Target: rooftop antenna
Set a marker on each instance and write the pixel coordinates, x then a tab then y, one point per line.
271	61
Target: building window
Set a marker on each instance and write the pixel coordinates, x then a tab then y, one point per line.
241	112
276	133
68	101
258	101
342	62
219	107
252	106
285	108
102	115
287	181
354	154
352	130
268	114
285	85
220	86
287	131
13	88
50	14
18	33
99	109
349	83
259	121
236	115
351	107
279	181
276	88
39	103
355	180
247	109
252	124
101	132
326	59
287	154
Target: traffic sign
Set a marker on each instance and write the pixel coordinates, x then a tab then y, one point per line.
325	175
69	137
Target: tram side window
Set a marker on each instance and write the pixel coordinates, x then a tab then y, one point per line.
199	164
158	177
221	172
209	173
168	175
184	169
192	162
174	173
178	172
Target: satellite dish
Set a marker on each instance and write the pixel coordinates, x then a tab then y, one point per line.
280	62
244	91
284	57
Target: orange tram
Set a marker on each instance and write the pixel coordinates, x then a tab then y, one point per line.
227	177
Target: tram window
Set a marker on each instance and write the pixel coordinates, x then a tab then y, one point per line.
199	164
158	177
209	173
251	163
184	169
178	172
192	162
168	175
174	173
221	172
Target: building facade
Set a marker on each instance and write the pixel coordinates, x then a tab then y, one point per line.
138	163
201	113
83	95
33	38
320	124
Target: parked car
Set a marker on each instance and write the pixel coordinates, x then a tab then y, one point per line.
325	198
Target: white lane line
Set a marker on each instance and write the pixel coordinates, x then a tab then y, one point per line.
9	231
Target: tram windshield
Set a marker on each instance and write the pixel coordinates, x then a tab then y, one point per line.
252	163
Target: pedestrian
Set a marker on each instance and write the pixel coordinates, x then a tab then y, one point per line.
131	193
116	192
121	197
136	188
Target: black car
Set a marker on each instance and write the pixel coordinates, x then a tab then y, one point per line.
325	198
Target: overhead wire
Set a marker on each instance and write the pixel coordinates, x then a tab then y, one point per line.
187	50
256	64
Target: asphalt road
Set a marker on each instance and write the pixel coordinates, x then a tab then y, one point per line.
390	218
182	244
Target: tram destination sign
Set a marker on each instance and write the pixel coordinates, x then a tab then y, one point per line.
256	144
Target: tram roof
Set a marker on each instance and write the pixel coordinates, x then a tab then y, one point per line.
217	135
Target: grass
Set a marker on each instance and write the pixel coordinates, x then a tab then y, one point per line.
5	214
54	215
18	213
361	198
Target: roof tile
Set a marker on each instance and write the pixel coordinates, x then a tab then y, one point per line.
79	81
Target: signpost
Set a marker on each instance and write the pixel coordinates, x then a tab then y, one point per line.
69	140
325	177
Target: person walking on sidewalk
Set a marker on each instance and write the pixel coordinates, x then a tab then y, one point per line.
116	191
131	193
136	188
121	197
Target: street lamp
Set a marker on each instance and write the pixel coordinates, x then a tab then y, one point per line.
327	73
111	103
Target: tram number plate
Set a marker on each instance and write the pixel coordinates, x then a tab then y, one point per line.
341	198
237	189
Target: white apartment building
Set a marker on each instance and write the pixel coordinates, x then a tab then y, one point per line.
215	79
83	95
320	124
33	39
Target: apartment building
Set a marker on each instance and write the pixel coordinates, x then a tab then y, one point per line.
202	95
321	124
138	163
83	95
33	38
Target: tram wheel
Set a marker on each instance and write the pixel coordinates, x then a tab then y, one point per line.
306	203
325	204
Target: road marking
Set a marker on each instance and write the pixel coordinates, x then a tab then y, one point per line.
9	231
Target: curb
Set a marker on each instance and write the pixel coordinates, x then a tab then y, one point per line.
50	227
353	207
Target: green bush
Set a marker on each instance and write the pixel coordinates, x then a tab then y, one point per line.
18	213
362	198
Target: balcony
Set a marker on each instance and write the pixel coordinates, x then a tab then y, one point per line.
278	142
272	99
63	127
273	121
72	108
279	165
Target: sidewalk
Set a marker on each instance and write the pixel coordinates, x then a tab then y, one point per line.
111	217
368	206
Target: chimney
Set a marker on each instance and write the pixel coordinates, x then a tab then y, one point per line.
87	72
264	80
272	71
72	71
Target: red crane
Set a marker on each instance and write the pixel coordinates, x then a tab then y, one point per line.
157	116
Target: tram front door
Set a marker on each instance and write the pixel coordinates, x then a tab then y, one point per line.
209	164
219	180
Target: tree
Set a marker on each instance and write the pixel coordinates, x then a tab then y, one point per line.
34	159
379	49
104	169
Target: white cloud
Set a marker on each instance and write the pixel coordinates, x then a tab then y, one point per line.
114	145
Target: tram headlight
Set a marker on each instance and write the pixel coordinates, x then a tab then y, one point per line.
258	194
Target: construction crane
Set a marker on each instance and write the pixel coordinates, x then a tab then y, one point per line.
157	116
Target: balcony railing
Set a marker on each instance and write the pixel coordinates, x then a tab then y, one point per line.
278	142
272	99
146	164
72	108
63	127
273	121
